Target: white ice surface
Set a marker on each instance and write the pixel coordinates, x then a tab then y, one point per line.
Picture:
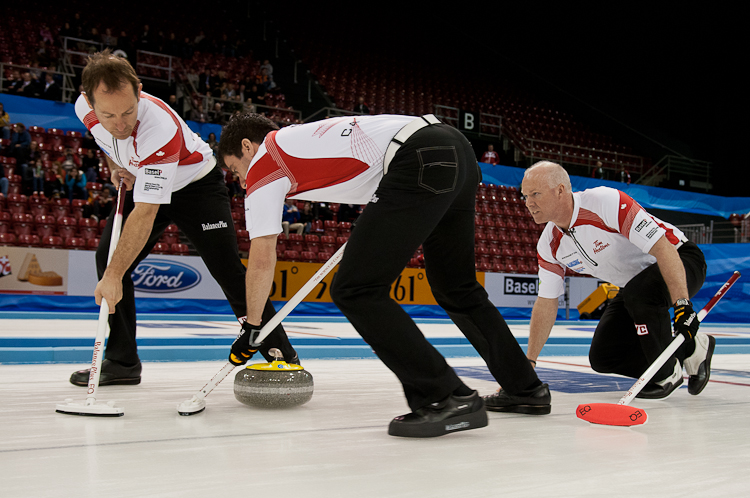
337	446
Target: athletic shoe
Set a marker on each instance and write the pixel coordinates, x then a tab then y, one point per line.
453	414
698	364
112	374
663	388
535	401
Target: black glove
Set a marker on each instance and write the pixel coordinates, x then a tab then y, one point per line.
685	319
244	347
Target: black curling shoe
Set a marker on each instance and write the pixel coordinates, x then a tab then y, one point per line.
452	414
112	374
535	401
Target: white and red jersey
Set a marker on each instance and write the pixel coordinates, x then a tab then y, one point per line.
490	157
335	160
609	237
162	152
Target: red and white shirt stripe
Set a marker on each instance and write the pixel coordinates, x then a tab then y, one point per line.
609	237
335	160
162	152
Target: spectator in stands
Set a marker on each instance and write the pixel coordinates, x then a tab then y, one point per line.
13	82
67	31
175	104
192	77
268	67
102	204
212	142
599	172
90	166
24	166
238	106
52	68
78	26
3	182
204	81
258	94
266	80
20	143
197	114
37	171
145	40
217	115
241	90
109	40
290	219
70	159
228	91
361	107
186	49
46	34
54	185
28	87
52	90
307	216
624	176
4	123
75	183
490	156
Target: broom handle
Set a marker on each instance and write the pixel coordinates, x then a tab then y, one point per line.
103	324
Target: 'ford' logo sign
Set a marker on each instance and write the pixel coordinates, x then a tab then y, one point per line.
161	275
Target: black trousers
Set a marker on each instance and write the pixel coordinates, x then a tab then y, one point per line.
204	201
426	198
636	326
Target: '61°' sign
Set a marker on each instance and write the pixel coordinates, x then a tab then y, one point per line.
410	287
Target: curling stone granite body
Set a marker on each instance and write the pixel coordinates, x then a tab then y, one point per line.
273	385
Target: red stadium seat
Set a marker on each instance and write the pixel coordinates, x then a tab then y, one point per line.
328	244
331	228
53	242
294	242
7	239
317	227
76	243
160	248
31	240
169	238
291	255
180	249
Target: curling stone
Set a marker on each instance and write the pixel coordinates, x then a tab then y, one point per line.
273	385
